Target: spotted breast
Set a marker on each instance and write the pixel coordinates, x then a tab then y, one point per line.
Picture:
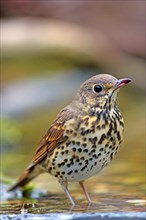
91	143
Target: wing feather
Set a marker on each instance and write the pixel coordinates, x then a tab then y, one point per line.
52	138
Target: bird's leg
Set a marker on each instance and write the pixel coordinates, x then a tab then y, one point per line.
85	192
64	187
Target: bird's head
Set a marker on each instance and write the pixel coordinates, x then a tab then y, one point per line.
101	89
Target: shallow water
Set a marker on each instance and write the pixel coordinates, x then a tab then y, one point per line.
109	205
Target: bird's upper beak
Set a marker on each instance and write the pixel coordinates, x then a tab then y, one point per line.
121	82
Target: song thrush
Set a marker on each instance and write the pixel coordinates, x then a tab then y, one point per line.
84	138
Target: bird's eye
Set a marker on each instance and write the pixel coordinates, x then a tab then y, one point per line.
97	88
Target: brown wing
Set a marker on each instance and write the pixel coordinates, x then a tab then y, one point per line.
52	138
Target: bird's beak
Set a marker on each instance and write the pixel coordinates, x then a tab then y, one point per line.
121	82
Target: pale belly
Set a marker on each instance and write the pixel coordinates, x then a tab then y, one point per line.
77	159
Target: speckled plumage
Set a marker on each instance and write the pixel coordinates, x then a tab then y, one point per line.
85	136
91	143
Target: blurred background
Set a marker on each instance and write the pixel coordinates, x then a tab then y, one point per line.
47	49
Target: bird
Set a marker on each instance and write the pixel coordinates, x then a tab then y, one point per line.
84	137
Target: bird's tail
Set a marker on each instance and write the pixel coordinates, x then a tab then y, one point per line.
25	178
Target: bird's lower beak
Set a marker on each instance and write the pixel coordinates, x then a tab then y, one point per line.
122	82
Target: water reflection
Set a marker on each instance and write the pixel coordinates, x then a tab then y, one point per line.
59	204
